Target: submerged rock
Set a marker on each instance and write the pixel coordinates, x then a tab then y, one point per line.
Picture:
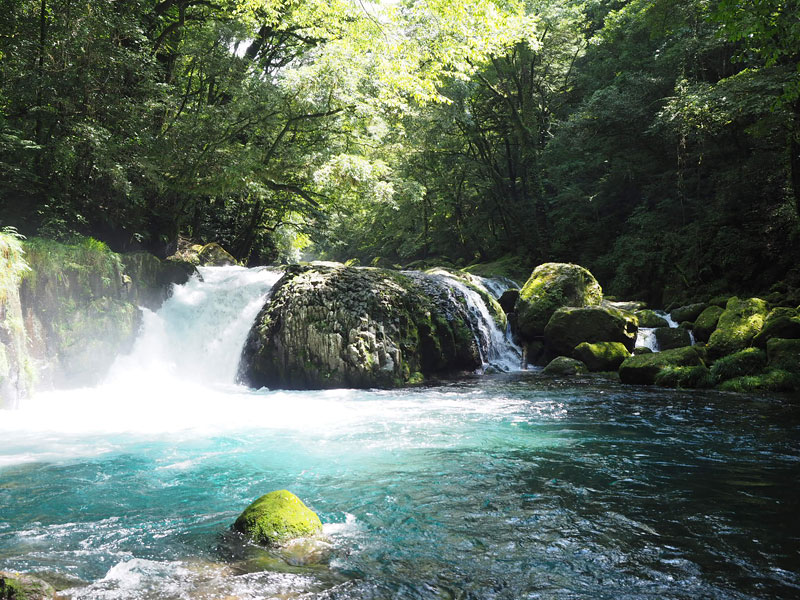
601	356
550	287
565	366
277	518
19	586
644	368
738	325
328	326
568	327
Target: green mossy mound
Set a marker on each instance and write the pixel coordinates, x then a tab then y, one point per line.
644	368
601	356
784	354
772	380
277	518
668	338
568	327
550	287
783	326
563	366
19	586
648	318
687	313
684	377
737	327
329	326
749	361
706	323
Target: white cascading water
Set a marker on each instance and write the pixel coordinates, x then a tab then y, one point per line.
646	336
497	348
199	332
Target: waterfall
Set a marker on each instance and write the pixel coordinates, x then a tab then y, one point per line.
646	336
199	332
498	350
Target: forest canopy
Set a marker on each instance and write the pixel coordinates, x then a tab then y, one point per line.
655	142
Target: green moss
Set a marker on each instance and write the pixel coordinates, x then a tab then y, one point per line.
772	380
601	356
552	286
510	266
738	325
784	354
749	361
648	318
668	338
644	368
565	366
276	518
569	326
697	376
706	323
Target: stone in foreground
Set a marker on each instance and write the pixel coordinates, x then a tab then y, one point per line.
277	518
19	586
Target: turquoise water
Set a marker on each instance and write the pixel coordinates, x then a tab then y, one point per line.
505	486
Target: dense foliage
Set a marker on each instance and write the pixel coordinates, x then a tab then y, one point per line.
655	142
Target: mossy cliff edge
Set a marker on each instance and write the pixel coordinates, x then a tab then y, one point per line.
68	309
330	325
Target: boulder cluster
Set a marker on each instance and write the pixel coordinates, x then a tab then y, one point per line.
736	344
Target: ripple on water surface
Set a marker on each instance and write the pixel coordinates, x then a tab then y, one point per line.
505	487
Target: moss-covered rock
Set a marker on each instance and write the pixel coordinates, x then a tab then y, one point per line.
550	287
668	338
720	301
563	366
771	380
687	313
749	361
20	586
148	280
782	326
694	377
328	326
644	368
277	518
642	350
568	327
784	354
738	326
601	356
706	323
649	318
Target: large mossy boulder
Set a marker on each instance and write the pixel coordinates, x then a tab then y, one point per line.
601	356
668	338
750	361
694	377
20	586
644	368
784	354
550	287
277	518
783	324
706	323
328	326
564	366
569	326
738	326
687	313
649	318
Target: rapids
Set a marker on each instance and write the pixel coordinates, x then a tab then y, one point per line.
506	486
